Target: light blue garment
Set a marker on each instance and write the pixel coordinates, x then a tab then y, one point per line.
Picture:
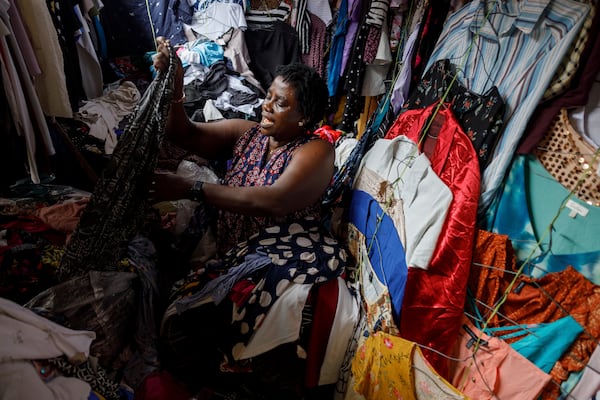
544	343
209	52
402	85
511	215
517	45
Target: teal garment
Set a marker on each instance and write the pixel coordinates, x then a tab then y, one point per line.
209	52
531	194
544	343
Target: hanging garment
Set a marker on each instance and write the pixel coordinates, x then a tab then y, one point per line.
431	22
485	367
570	159
352	18
318	45
577	94
480	116
381	260
402	82
536	300
517	47
116	209
376	72
544	343
529	201
389	367
266	15
51	86
270	46
567	70
354	80
91	71
587	117
434	298
169	17
302	21
334	63
375	19
396	165
21	36
29	119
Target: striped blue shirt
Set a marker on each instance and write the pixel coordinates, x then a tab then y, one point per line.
517	45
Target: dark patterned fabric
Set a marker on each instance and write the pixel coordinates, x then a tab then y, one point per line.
117	206
297	252
249	168
480	116
354	78
300	253
67	24
376	17
94	375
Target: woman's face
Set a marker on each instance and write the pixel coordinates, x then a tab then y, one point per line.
281	112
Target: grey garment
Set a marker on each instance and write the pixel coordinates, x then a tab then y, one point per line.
117	206
213	84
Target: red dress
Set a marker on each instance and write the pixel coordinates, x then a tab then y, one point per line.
434	298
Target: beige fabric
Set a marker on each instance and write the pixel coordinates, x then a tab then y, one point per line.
51	85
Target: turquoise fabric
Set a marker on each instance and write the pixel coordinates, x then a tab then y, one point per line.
529	200
544	343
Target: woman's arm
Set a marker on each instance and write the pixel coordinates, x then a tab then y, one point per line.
301	184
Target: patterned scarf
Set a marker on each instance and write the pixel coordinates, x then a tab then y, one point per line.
117	206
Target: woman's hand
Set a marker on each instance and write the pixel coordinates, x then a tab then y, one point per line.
160	62
161	58
167	186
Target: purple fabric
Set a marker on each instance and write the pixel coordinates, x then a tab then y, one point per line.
354	16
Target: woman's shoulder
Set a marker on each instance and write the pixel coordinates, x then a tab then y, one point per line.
314	144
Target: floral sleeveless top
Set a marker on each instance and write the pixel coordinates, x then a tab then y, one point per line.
250	168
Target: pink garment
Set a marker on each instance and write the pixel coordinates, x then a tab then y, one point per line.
63	217
495	370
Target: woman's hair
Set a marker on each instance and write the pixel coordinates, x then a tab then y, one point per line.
311	90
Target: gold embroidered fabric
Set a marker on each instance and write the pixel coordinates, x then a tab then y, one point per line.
570	159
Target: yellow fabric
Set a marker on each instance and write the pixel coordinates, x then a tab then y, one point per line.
382	368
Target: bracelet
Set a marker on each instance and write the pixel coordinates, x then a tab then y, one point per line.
179	100
196	192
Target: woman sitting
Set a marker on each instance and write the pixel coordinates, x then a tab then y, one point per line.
271	246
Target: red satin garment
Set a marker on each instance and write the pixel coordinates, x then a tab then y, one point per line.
434	298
